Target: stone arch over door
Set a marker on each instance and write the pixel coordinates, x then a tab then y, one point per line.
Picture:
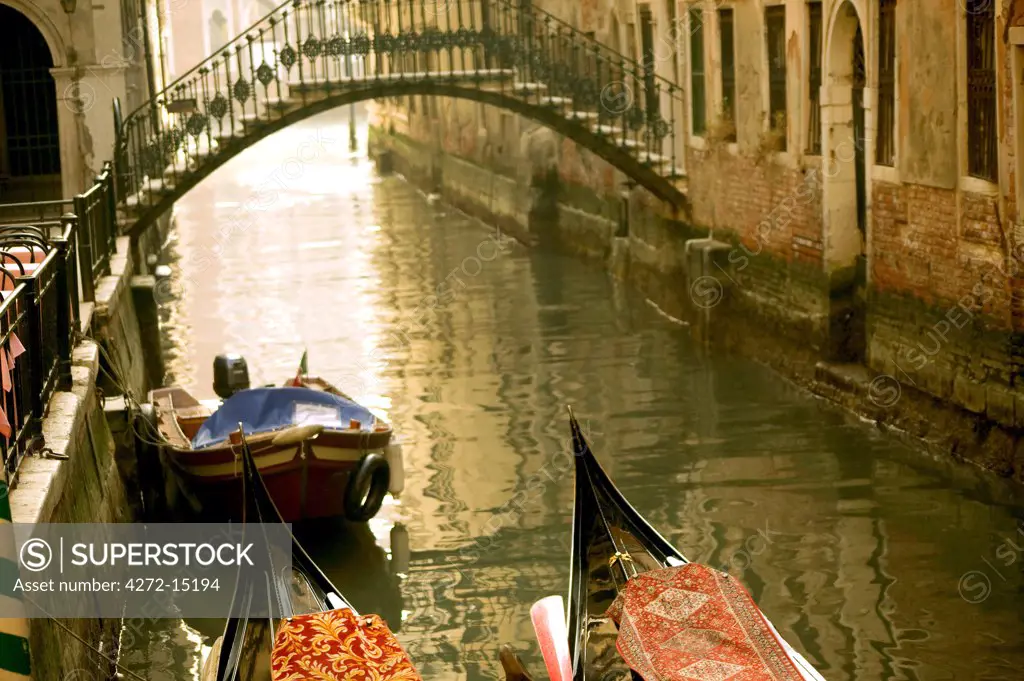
845	197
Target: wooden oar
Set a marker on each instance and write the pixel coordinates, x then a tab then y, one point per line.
548	615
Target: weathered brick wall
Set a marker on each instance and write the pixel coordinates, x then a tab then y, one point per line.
940	317
772	214
772	208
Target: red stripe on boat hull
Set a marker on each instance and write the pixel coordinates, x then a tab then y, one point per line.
301	489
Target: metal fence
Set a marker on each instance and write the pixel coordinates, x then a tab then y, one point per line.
36	211
49	264
96	211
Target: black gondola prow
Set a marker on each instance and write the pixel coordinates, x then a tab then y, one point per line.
581	450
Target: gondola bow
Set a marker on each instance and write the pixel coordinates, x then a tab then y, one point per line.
637	606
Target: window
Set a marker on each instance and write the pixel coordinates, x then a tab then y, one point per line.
588	57
725	37
670	12
525	16
982	159
649	60
885	147
814	93
697	97
775	27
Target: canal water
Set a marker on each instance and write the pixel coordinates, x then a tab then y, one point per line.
873	560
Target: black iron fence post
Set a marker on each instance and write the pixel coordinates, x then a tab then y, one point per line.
120	161
85	251
66	316
36	371
69	230
110	212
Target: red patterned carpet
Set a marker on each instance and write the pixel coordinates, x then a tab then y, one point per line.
694	623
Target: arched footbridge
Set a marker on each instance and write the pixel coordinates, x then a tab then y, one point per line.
308	56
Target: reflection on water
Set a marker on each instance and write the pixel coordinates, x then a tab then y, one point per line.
873	561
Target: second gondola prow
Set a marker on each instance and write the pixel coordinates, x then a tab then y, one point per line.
637	608
305	608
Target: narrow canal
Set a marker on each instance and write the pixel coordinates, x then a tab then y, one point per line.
874	561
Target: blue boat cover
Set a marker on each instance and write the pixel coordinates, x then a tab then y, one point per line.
262	410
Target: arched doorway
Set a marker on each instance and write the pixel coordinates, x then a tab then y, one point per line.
845	184
30	168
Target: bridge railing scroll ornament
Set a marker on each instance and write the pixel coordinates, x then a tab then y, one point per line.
309	55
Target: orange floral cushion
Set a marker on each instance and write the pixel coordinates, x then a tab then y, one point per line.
338	645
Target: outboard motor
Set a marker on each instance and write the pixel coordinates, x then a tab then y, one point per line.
230	375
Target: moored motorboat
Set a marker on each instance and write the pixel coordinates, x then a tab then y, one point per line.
347	472
314	632
638	609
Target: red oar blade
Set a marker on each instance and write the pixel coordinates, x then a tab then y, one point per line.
548	616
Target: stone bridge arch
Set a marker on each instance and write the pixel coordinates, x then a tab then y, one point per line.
307	57
148	205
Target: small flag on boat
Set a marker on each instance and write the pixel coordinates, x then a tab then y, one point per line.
303	369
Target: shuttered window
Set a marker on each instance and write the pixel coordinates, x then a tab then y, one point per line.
698	99
814	76
885	147
728	49
775	30
982	159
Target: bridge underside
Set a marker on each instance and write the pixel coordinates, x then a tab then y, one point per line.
210	151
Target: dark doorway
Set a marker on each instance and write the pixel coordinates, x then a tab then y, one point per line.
858	322
859	81
29	141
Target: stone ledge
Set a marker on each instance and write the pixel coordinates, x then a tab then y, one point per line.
41	482
110	288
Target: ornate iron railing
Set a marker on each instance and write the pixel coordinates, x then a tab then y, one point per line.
39	313
306	51
49	252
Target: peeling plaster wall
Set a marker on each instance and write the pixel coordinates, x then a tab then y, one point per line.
750	67
928	90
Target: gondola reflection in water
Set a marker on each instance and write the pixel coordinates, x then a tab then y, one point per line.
639	610
313	632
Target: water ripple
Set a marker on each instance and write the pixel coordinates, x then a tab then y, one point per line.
857	547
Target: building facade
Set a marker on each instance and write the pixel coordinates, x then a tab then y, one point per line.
870	159
62	63
859	158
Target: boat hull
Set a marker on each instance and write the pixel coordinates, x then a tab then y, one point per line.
305	482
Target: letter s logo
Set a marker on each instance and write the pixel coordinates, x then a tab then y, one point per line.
36	555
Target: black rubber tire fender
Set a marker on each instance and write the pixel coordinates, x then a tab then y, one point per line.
367	487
